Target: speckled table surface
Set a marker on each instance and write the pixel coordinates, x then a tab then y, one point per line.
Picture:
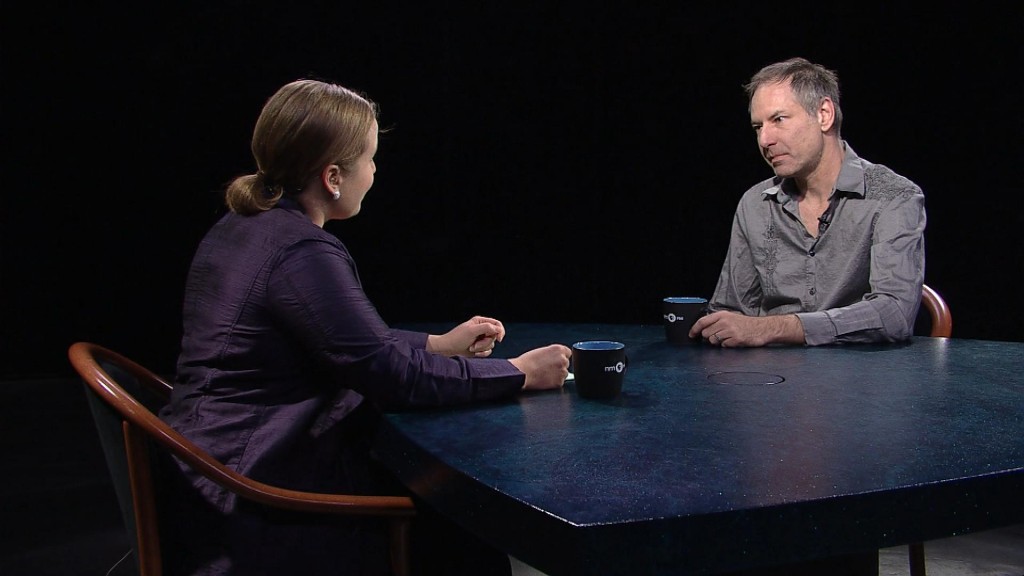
717	460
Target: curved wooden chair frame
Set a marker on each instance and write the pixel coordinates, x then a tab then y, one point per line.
942	318
128	457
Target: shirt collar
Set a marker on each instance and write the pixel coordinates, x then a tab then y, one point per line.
851	175
850	180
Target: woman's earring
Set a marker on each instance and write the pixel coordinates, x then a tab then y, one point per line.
335	193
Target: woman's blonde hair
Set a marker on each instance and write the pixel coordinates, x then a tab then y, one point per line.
304	126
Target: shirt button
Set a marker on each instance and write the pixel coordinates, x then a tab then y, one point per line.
812	291
811	253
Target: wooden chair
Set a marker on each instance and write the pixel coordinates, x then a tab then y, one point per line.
124	398
941	327
942	318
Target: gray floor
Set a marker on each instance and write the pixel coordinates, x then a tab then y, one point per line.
992	553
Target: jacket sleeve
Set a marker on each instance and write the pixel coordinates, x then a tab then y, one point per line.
316	293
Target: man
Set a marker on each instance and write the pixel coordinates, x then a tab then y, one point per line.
831	249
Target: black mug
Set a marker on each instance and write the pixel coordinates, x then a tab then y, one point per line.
599	368
679	313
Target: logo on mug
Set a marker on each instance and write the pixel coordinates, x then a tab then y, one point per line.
672	317
619	367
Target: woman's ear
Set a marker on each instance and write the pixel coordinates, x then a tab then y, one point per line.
331	178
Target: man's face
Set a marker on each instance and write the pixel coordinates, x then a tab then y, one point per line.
790	139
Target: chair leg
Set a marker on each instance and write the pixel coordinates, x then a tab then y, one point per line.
400	551
915	552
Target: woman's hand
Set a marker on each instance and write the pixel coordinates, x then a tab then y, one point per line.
545	368
475	338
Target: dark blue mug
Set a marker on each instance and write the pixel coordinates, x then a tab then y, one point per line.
599	368
679	314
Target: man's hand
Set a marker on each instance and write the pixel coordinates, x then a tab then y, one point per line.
734	330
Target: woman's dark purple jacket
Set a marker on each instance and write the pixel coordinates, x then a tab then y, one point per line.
280	348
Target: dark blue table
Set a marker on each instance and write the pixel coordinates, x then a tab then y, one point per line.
716	460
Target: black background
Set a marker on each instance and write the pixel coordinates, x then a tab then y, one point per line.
545	162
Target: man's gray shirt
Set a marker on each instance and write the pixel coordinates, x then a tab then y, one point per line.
858	281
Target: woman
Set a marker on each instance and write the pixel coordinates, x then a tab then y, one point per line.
285	362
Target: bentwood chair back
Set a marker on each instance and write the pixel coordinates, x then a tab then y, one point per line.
125	397
941	317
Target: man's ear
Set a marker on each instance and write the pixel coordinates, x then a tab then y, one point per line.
826	114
